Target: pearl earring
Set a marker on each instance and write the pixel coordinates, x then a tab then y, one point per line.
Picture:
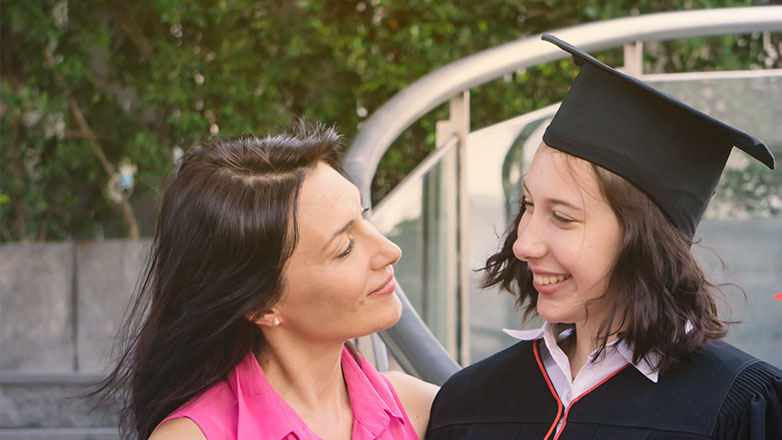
276	322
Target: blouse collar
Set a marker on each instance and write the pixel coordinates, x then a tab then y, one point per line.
255	395
551	335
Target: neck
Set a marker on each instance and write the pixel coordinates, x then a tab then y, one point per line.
582	344
307	375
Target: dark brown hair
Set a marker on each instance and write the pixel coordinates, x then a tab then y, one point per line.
656	285
225	229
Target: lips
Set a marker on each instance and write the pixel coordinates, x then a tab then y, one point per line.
385	288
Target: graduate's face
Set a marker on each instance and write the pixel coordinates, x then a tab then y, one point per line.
569	237
339	280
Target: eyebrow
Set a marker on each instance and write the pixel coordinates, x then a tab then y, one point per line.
556	201
341	231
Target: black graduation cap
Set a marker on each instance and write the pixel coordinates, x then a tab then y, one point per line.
669	150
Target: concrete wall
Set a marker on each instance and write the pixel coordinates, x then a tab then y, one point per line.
62	303
36	307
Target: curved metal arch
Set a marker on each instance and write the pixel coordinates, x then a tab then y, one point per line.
410	340
414	101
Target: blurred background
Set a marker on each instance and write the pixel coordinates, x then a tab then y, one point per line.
99	99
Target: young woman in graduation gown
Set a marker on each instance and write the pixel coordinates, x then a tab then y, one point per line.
630	347
262	268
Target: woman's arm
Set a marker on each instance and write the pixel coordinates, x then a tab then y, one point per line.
178	429
416	396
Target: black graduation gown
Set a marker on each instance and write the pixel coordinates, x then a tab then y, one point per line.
724	394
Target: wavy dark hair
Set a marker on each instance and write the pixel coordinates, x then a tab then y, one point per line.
656	285
226	227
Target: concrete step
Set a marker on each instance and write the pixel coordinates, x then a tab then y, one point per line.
60	434
41	403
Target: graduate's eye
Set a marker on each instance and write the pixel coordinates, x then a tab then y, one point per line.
365	213
347	250
561	219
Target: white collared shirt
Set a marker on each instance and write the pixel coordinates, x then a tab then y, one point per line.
557	365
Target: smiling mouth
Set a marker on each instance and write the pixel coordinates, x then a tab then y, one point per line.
385	288
544	280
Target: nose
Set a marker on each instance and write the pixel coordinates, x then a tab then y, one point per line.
386	252
529	244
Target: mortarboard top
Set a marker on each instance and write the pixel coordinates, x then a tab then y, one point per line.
669	150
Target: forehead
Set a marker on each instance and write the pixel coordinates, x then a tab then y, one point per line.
327	201
560	175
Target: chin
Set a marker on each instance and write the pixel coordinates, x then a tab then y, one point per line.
391	315
377	320
554	316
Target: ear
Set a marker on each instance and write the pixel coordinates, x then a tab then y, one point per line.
269	318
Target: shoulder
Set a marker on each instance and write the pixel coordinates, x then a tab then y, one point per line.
496	393
752	407
212	414
416	397
757	379
491	372
746	392
176	429
412	391
717	362
722	368
487	387
725	356
218	399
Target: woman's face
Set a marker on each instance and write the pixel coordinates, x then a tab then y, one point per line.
339	280
568	236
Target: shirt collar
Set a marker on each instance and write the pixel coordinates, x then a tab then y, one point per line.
367	391
646	366
368	394
255	395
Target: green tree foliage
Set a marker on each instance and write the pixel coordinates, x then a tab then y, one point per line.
97	90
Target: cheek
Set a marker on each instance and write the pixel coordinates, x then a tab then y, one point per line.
588	261
598	262
606	250
341	289
348	276
570	249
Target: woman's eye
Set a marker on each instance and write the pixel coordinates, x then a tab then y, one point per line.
346	252
560	219
527	205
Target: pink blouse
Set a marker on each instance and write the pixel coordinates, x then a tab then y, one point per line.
244	406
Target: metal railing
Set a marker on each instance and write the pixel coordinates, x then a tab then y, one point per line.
411	342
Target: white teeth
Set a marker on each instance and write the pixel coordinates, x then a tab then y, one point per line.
549	279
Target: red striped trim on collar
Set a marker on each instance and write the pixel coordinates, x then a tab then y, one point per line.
556	396
550	388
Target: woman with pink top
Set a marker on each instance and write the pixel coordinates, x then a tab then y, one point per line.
262	268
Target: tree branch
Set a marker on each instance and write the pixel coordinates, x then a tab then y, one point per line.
131	28
92	141
17	172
